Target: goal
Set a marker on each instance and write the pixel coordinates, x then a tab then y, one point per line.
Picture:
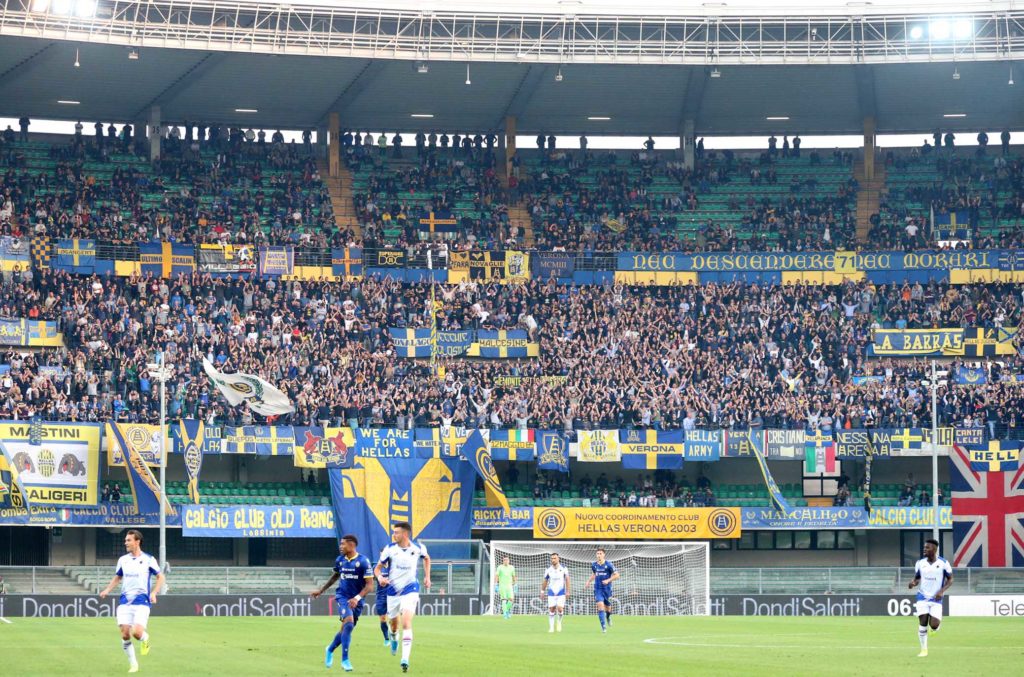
656	579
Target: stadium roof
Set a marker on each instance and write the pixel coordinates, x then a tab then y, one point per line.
291	89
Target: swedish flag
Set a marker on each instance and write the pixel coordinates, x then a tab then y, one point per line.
651	449
997	456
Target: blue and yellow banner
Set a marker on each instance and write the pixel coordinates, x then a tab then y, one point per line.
475	451
258	440
166	259
778	500
488	266
58	463
277	261
995	456
417	343
504	344
499	518
76	256
257	521
443	442
553	451
347	262
12	494
916	342
651	449
411	343
703	445
146	494
513	445
144	438
384	442
434	495
970	376
558	264
636	523
15	253
191	435
31	333
438	222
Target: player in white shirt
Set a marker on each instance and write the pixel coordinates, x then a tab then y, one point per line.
556	587
935	575
402	558
135	572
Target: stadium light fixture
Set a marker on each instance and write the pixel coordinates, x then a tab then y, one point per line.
956	73
468	81
85	9
598	118
558	75
715	73
1010	81
246	110
68	102
939	30
78	63
40	5
425	116
133	54
422	67
954	115
916	33
60	6
777	118
963	29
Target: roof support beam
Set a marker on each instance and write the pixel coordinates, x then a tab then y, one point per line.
30	64
366	76
191	76
865	76
524	92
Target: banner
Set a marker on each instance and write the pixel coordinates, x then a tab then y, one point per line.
167	259
76	256
513	445
650	449
12	492
58	463
411	343
981	342
113	515
703	445
553	450
385	258
480	266
347	262
784	444
434	495
916	342
455	343
317	447
261	396
438	442
809	519
970	376
992	606
598	446
440	222
820	455
738	444
499	518
826	261
995	456
15	253
775	494
277	261
511	344
475	451
256	521
32	333
514	343
146	493
636	523
258	440
227	259
191	435
210	442
988	514
384	442
546	265
143	437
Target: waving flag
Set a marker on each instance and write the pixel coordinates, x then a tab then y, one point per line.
145	489
988	514
475	451
262	397
779	501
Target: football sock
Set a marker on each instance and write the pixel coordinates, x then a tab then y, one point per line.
551	620
601	616
922	635
145	637
406	644
129	650
346	639
335	643
384	630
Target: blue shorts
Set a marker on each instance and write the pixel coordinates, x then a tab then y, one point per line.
603	596
344	610
380	605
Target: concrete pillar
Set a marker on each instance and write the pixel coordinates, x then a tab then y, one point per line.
869	148
320	147
510	143
155	133
89	547
334	144
688	144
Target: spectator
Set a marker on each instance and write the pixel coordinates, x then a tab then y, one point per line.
906	497
105	496
115	495
24	122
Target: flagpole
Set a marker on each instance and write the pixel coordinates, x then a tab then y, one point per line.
433	316
935	455
160	371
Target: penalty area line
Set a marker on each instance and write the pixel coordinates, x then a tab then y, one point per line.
4	620
679	641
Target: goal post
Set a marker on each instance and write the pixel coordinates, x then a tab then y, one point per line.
655	579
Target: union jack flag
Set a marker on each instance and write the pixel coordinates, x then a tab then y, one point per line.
988	514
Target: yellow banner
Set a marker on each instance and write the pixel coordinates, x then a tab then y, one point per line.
598	446
316	447
58	463
636	523
144	439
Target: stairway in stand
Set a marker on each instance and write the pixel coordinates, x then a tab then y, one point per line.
869	197
340	188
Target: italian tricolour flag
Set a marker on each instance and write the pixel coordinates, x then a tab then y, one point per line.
820	460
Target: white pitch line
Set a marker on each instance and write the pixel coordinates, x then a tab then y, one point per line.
5	621
672	641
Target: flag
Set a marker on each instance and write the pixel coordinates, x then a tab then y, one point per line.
513	445
820	454
970	376
988	514
262	397
145	489
475	451
12	493
651	449
996	456
317	447
191	433
553	451
347	262
598	446
779	501
981	342
433	494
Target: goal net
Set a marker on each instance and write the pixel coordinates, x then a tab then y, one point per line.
655	579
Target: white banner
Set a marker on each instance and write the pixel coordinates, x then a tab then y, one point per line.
992	606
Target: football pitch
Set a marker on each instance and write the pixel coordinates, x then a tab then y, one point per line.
522	646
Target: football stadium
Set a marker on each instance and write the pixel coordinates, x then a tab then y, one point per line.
493	338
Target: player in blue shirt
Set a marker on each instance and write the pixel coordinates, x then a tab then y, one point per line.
381	608
355	573
603	573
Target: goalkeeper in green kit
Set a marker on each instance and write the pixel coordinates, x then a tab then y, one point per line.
505	585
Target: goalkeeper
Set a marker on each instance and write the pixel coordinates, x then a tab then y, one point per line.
505	586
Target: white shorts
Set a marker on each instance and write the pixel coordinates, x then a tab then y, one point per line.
132	614
926	608
556	600
399	604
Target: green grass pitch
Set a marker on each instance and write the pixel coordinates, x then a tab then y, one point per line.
522	646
